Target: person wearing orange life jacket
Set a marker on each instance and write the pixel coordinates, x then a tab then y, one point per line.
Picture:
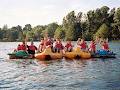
92	47
83	45
31	49
68	46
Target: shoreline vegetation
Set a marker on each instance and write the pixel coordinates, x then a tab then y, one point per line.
102	22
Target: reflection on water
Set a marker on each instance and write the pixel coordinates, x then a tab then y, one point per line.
92	74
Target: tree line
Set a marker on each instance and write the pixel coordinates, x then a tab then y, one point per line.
102	22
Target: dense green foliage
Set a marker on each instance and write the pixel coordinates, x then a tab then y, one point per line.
102	22
103	31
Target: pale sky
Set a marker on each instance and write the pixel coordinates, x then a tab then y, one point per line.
41	12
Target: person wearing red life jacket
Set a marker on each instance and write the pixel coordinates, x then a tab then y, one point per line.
83	45
23	46
48	42
31	49
18	47
68	46
58	46
105	46
92	47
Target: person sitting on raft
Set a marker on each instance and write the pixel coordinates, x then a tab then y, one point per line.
45	43
18	47
78	41
31	49
92	47
41	45
105	45
68	46
58	46
83	45
23	46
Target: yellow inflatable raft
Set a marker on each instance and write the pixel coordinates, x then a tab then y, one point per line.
47	54
78	53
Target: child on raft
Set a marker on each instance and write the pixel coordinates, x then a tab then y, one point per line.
41	45
31	49
92	46
68	46
58	46
22	46
82	44
105	45
44	43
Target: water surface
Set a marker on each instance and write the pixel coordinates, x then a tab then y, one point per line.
92	74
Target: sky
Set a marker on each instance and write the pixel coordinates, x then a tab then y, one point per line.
43	12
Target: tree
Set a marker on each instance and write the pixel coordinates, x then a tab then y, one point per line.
78	29
27	27
69	25
51	28
5	30
13	34
98	22
38	31
1	34
103	31
21	35
59	33
116	25
30	35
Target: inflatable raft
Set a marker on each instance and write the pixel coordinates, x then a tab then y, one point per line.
47	54
77	53
103	54
19	55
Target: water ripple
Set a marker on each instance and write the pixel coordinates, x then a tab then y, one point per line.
92	74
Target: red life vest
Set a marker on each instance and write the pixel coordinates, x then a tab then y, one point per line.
22	47
47	43
59	45
32	48
42	43
92	47
83	45
68	45
19	47
105	46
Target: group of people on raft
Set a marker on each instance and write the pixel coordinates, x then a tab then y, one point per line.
57	46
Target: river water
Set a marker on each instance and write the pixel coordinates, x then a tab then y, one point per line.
31	74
